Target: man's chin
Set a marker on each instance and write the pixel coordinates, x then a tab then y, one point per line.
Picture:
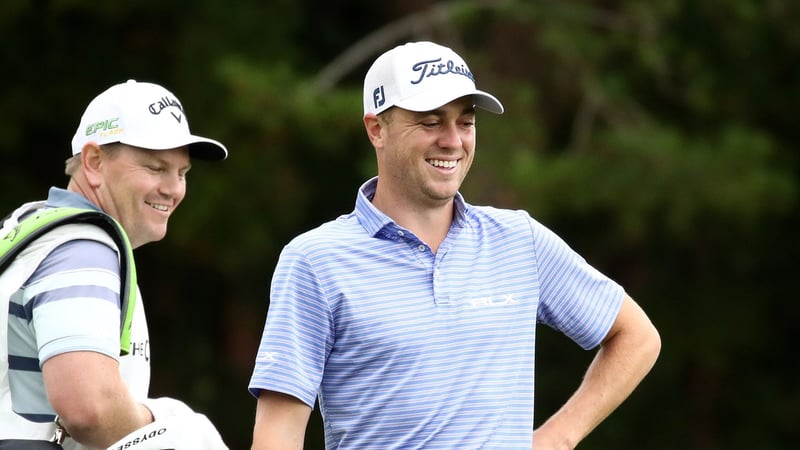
152	237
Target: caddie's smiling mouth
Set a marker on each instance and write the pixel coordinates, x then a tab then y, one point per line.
442	163
158	206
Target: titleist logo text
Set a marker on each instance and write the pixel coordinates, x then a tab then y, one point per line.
430	68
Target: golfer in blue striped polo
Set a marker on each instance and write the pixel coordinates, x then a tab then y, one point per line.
413	319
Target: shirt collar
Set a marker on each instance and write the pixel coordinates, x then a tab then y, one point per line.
58	197
374	220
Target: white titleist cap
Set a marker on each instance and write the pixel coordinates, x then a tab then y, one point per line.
421	76
143	115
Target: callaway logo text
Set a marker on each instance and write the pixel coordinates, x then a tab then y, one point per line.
164	103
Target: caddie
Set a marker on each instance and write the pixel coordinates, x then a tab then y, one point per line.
64	370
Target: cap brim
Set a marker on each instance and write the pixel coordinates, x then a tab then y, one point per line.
199	147
488	102
428	101
208	149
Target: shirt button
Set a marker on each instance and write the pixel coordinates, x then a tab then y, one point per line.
400	233
421	248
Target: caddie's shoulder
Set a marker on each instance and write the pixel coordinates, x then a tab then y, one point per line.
82	231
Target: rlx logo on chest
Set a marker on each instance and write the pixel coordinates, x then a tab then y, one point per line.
497	300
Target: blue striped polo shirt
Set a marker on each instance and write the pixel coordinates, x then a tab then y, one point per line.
409	349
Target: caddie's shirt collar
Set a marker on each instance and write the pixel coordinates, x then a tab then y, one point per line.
58	197
374	220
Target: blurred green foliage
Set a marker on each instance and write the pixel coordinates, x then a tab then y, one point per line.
658	138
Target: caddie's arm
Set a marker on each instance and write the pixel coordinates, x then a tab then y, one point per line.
626	355
92	401
281	422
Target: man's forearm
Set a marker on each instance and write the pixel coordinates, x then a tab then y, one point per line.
91	399
108	429
281	422
624	359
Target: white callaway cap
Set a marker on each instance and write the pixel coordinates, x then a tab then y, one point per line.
421	76
143	115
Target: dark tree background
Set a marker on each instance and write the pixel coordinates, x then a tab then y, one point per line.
658	138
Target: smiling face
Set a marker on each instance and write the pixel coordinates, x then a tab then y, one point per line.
423	157
141	188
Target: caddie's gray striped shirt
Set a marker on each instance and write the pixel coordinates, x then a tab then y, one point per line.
70	303
410	349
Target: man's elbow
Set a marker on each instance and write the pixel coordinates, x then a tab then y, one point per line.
87	421
637	341
636	334
651	343
81	421
642	345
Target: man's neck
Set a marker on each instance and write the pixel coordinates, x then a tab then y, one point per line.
429	223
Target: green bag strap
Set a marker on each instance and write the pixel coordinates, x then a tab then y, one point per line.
44	220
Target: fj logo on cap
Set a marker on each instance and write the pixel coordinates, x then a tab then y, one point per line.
379	97
164	103
430	69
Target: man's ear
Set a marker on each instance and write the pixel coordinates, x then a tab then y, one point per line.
374	126
92	160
